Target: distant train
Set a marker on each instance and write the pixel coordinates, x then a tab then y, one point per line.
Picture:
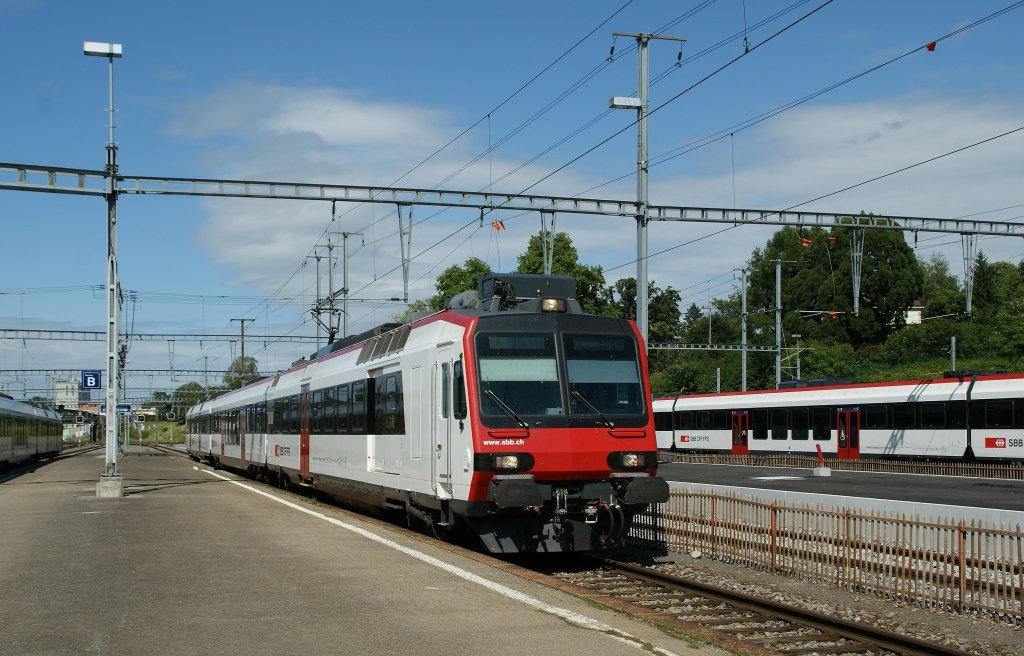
961	417
511	414
27	431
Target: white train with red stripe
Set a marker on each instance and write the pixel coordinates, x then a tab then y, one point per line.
960	416
28	432
511	414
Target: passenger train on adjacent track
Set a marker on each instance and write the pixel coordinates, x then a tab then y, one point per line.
511	414
962	416
27	432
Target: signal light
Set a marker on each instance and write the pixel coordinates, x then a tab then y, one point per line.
833	314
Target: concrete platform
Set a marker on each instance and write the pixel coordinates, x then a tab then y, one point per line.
191	562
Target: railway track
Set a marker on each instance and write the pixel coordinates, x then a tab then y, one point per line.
744	623
733	619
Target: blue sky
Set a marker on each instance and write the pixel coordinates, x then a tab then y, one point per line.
362	93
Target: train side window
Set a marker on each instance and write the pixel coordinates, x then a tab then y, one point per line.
342	413
703	419
780	423
902	415
460	406
720	419
358	417
445	389
759	424
801	422
821	420
956	414
683	419
874	415
317	412
999	414
328	421
663	421
933	415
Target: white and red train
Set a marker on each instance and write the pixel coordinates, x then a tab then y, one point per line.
27	432
511	414
960	417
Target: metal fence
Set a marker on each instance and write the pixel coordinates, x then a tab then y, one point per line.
959	566
1013	471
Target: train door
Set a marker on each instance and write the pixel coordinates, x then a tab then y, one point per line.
740	432
848	433
243	428
304	431
441	394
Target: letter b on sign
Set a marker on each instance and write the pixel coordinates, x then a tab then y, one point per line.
91	380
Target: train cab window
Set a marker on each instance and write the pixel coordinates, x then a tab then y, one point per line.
821	422
720	419
683	419
603	375
874	415
780	423
902	415
933	415
800	422
999	414
703	419
759	424
520	370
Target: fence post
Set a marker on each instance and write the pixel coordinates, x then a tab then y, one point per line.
772	536
960	558
714	524
846	548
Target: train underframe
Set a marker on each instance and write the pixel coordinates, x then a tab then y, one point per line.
520	515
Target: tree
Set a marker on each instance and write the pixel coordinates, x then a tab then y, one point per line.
189	395
240	372
940	293
663	316
565	262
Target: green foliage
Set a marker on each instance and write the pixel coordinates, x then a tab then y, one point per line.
565	262
188	395
240	372
817	297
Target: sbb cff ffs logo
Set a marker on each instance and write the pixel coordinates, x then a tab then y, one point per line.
1002	442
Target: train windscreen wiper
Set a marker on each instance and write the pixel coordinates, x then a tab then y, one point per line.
604	420
504	406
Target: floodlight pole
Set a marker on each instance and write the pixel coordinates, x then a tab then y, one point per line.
110	482
640	105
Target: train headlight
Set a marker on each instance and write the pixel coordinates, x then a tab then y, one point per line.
632	460
552	305
506	462
503	462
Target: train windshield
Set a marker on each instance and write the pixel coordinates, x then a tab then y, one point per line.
604	375
521	371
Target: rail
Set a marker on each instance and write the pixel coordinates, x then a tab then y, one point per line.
1010	471
958	566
